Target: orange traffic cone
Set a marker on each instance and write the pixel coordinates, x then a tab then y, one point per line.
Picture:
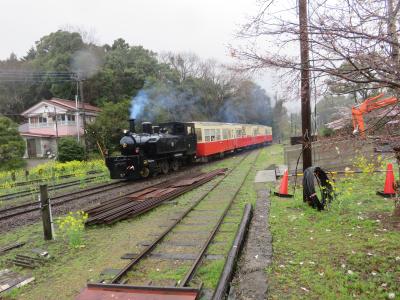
283	189
388	190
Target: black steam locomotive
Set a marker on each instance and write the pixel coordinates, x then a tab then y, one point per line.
157	149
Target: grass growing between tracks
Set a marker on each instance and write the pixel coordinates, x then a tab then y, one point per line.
69	270
201	226
349	251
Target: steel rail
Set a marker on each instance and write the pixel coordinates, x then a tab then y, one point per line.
58	186
28	182
93	191
157	241
67	195
8	216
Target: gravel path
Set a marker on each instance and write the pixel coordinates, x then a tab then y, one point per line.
250	281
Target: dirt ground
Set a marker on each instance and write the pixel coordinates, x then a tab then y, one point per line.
250	280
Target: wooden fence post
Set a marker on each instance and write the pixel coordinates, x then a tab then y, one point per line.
46	213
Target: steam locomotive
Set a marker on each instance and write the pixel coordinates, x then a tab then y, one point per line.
159	149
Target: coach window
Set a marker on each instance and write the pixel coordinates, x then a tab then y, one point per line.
207	135
199	135
224	134
238	133
212	134
217	134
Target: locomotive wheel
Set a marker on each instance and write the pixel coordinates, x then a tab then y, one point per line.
145	172
164	167
175	165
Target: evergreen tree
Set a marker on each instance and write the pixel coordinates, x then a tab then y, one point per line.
12	146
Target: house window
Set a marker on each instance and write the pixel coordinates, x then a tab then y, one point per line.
71	118
42	120
61	118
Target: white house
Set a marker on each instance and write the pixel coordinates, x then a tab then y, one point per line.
51	119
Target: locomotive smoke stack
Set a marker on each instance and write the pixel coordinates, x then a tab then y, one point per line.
132	125
147	127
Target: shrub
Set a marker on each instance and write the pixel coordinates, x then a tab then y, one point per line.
69	149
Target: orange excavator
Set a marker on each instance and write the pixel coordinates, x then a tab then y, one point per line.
367	106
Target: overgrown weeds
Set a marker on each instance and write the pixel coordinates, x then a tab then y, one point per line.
72	227
344	252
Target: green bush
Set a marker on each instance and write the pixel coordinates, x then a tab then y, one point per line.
324	131
12	146
69	149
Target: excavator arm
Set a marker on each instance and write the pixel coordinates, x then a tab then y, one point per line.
367	106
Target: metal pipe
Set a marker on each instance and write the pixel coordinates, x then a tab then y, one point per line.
227	273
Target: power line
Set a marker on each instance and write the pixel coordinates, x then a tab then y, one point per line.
38	76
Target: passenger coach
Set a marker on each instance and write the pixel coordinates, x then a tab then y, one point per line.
215	138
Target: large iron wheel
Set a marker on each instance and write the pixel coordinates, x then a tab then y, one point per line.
145	172
175	165
164	167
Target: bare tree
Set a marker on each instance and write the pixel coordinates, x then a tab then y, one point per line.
186	64
352	41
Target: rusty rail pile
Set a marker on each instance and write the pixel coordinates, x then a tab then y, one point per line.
134	204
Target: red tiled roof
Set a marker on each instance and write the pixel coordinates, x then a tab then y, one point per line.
71	104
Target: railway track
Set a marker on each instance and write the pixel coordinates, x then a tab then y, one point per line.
55	187
34	206
28	213
219	199
40	180
10	212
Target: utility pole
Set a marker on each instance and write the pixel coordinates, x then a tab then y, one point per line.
83	117
305	93
393	37
55	118
77	110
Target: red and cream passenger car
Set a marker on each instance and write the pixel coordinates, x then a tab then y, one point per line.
215	138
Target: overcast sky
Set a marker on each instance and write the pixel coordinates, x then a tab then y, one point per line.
204	27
